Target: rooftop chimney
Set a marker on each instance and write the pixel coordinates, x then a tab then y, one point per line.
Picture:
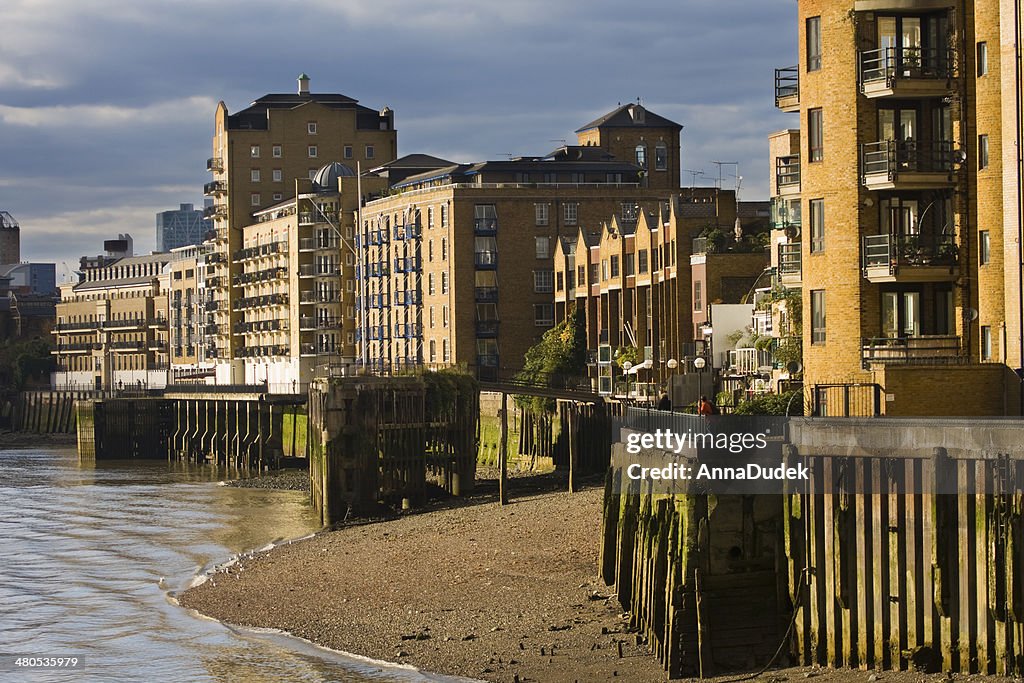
303	84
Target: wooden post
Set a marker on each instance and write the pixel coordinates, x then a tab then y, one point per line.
503	453
574	448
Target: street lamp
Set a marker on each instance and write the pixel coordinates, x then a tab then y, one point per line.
698	364
626	367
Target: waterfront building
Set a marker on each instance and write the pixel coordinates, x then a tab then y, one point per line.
186	315
457	261
258	155
648	284
111	330
906	171
182	227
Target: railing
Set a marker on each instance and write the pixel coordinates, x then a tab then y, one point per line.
846	400
214	188
891	157
893	251
787	170
485	259
486	328
922	350
215	211
787	83
80	326
124	323
214	164
700	245
317	243
748	361
81	346
785	212
790	259
486	295
485	226
892	63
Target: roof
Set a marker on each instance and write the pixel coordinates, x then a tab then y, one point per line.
115	282
630	116
417	161
255	115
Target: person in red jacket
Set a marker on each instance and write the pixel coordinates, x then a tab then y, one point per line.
704	407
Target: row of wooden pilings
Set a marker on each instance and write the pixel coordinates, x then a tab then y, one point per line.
904	550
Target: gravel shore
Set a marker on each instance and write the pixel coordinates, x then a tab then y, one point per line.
286	480
483	591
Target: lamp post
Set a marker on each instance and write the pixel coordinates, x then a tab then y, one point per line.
698	364
626	367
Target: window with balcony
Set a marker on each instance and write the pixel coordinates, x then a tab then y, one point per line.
817	316
543	315
817	211
813	43
661	157
542	246
540	212
815	135
570	212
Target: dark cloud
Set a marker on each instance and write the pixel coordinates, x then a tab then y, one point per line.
106	108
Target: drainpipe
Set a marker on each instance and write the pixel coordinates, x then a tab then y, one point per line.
1020	204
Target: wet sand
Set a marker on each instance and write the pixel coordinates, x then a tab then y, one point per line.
483	591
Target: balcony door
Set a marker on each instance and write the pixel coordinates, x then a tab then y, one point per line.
901	314
900	217
898	124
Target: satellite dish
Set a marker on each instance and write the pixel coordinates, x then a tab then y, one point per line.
792	231
959	156
794	367
972	314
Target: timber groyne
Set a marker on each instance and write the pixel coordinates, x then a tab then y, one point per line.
904	550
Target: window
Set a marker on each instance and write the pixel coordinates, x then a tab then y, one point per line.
277	176
444	316
430	250
254	199
641	259
276	151
613	178
577	178
817	209
604	269
432	319
543	315
698	302
629	211
433	351
560	281
641	156
984	247
311	151
369	152
430	284
254	151
982	58
813	43
540	212
444	248
347	151
661	157
278	196
551	178
446	356
312	173
817	316
615	265
444	283
627	264
430	217
444	215
543	246
982	152
986	342
814	136
593	272
543	280
570	211
254	175
311	127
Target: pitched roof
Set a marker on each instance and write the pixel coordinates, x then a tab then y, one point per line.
254	116
630	116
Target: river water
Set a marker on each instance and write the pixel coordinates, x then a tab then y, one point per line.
90	556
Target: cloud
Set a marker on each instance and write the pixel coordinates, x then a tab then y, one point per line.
106	116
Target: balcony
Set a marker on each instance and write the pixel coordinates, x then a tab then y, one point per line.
214	189
787	88
318	244
80	347
923	350
86	326
486	295
486	260
307	324
790	263
215	211
910	258
787	174
486	328
128	346
124	324
893	165
906	72
407	232
485	227
786	215
214	165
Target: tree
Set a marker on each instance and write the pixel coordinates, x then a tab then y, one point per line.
561	353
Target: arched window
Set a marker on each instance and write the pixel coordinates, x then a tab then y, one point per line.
641	155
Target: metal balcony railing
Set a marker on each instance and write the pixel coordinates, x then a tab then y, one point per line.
214	188
891	157
892	63
787	83
921	350
895	251
485	259
486	295
787	170
486	226
486	328
790	260
214	165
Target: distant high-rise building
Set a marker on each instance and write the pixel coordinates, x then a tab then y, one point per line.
180	228
10	239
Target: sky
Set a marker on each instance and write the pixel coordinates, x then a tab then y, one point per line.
106	106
